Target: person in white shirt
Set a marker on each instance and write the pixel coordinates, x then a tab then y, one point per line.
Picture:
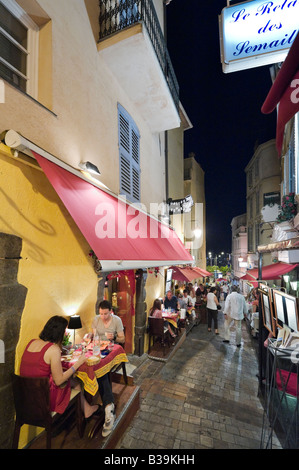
234	310
225	291
212	308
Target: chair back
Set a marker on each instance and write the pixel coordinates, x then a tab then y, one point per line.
156	326
32	399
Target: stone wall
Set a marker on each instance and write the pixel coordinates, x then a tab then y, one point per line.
12	301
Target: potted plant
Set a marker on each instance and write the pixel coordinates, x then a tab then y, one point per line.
288	208
66	342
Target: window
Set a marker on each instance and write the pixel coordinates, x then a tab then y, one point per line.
18	47
290	167
257	203
271	198
249	178
250	239
257	235
129	156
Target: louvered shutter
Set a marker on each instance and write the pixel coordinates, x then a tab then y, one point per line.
129	156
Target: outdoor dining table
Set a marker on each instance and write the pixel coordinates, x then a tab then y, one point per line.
89	374
171	318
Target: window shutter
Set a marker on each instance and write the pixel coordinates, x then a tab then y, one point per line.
129	156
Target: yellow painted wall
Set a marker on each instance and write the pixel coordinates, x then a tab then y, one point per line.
55	266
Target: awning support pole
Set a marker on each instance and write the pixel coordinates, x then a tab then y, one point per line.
261	325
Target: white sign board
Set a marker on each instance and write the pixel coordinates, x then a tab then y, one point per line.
257	33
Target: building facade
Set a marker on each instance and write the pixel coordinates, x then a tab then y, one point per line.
239	246
195	234
263	179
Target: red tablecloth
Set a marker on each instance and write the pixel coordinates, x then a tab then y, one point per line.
289	381
171	318
89	374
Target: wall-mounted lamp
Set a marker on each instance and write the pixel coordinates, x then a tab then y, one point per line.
286	278
293	285
90	167
197	232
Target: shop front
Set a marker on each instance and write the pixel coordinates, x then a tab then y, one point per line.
125	241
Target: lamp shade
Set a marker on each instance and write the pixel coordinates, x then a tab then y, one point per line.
75	322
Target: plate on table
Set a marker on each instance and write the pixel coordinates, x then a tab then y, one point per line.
104	344
66	358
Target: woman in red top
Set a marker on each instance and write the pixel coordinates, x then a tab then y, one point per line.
42	358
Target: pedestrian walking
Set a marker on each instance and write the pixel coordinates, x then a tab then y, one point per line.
234	310
212	307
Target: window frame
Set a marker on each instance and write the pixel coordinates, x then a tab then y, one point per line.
32	50
129	156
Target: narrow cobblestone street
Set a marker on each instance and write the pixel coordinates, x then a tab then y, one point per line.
204	397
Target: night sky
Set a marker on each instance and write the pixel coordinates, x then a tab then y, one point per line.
225	110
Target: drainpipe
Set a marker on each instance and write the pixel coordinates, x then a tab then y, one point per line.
165	3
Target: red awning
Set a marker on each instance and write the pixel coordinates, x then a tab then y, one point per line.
285	92
183	274
270	272
188	273
202	272
121	236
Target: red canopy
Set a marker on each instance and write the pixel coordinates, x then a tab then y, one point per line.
188	273
121	236
202	272
270	272
185	274
285	92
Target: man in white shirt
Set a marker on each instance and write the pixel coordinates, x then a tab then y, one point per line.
234	310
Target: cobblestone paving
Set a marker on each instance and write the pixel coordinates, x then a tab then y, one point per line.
204	397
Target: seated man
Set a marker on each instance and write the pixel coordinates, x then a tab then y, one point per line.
171	301
107	326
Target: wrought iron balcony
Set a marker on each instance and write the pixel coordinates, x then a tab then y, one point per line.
118	15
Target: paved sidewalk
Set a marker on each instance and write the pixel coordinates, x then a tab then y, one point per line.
204	397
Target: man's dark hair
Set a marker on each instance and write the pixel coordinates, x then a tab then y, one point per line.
105	304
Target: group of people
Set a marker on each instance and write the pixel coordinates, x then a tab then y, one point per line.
183	301
42	358
234	309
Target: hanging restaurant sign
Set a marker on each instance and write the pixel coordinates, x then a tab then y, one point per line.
257	33
180	206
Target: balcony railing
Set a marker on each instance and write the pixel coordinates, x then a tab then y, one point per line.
117	15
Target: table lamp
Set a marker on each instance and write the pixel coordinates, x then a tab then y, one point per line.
74	324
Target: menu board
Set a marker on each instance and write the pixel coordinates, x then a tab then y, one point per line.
286	310
168	280
279	308
267	308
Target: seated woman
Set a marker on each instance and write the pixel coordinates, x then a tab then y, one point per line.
156	312
107	326
42	358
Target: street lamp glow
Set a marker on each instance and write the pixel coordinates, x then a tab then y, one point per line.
197	232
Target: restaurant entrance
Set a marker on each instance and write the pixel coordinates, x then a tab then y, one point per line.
120	291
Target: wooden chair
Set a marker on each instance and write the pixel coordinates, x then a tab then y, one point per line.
32	405
158	330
